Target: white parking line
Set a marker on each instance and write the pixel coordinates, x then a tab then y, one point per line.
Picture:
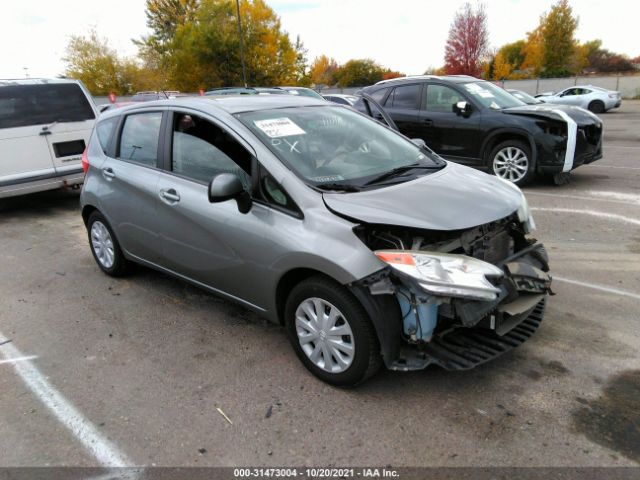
615	166
620	146
595	195
19	359
573	197
594	286
102	449
593	213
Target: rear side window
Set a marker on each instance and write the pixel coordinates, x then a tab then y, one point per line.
139	138
43	104
105	130
441	98
378	95
406	97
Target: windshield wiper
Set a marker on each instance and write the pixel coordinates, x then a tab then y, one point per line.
340	187
400	170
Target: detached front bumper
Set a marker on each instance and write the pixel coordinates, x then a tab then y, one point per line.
468	332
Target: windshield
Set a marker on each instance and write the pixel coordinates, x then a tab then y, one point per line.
525	97
491	96
335	146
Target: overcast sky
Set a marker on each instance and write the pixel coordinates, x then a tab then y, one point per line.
405	35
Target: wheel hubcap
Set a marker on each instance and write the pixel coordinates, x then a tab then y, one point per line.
102	244
324	335
511	163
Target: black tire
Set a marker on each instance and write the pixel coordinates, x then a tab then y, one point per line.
366	358
121	266
525	148
596	106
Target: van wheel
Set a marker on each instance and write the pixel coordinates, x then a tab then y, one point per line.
105	248
597	106
511	160
331	333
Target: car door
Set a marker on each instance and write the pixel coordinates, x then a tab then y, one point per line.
448	133
73	117
571	96
130	176
24	152
403	105
210	243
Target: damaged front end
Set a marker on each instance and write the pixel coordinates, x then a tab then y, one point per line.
454	298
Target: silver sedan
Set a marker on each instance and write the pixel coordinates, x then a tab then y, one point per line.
595	99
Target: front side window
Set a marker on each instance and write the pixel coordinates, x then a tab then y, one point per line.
326	145
139	138
441	98
202	150
43	104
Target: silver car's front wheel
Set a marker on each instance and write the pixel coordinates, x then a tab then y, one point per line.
325	335
102	244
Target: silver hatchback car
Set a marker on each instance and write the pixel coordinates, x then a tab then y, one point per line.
365	245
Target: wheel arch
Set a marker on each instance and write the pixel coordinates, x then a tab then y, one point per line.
503	135
87	210
289	280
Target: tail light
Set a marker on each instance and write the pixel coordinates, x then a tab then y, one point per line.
85	162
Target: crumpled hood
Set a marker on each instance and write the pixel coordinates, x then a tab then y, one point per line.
579	115
454	198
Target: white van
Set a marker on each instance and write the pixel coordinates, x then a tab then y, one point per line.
45	125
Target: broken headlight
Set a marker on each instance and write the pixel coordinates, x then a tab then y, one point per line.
444	274
524	212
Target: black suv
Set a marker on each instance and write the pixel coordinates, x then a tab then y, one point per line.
477	123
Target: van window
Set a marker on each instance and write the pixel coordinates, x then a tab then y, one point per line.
139	139
43	104
202	150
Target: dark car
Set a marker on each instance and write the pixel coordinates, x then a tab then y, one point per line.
477	123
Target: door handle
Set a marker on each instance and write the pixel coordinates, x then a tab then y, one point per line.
108	173
170	195
428	122
45	131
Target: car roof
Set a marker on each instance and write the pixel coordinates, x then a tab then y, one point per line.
4	82
446	78
230	103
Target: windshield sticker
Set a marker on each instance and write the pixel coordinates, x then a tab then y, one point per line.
473	87
279	127
328	178
485	94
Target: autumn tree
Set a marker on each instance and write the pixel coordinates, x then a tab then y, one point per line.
359	72
91	60
508	59
206	52
532	51
558	43
468	42
323	70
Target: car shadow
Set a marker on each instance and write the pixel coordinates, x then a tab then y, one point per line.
41	203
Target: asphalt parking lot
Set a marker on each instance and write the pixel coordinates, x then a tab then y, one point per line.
140	366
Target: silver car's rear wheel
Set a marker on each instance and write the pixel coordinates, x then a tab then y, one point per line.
325	335
102	244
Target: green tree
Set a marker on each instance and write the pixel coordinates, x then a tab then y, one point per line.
558	43
359	72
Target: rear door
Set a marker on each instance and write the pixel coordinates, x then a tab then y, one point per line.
129	179
403	105
72	119
24	152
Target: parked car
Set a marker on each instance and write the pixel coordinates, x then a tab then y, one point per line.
341	99
477	123
44	126
108	106
594	99
525	97
305	92
367	247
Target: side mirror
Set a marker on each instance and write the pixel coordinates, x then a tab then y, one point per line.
227	186
463	108
418	142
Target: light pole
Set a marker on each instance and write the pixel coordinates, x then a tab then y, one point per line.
244	71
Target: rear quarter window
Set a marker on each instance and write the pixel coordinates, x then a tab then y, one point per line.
42	104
